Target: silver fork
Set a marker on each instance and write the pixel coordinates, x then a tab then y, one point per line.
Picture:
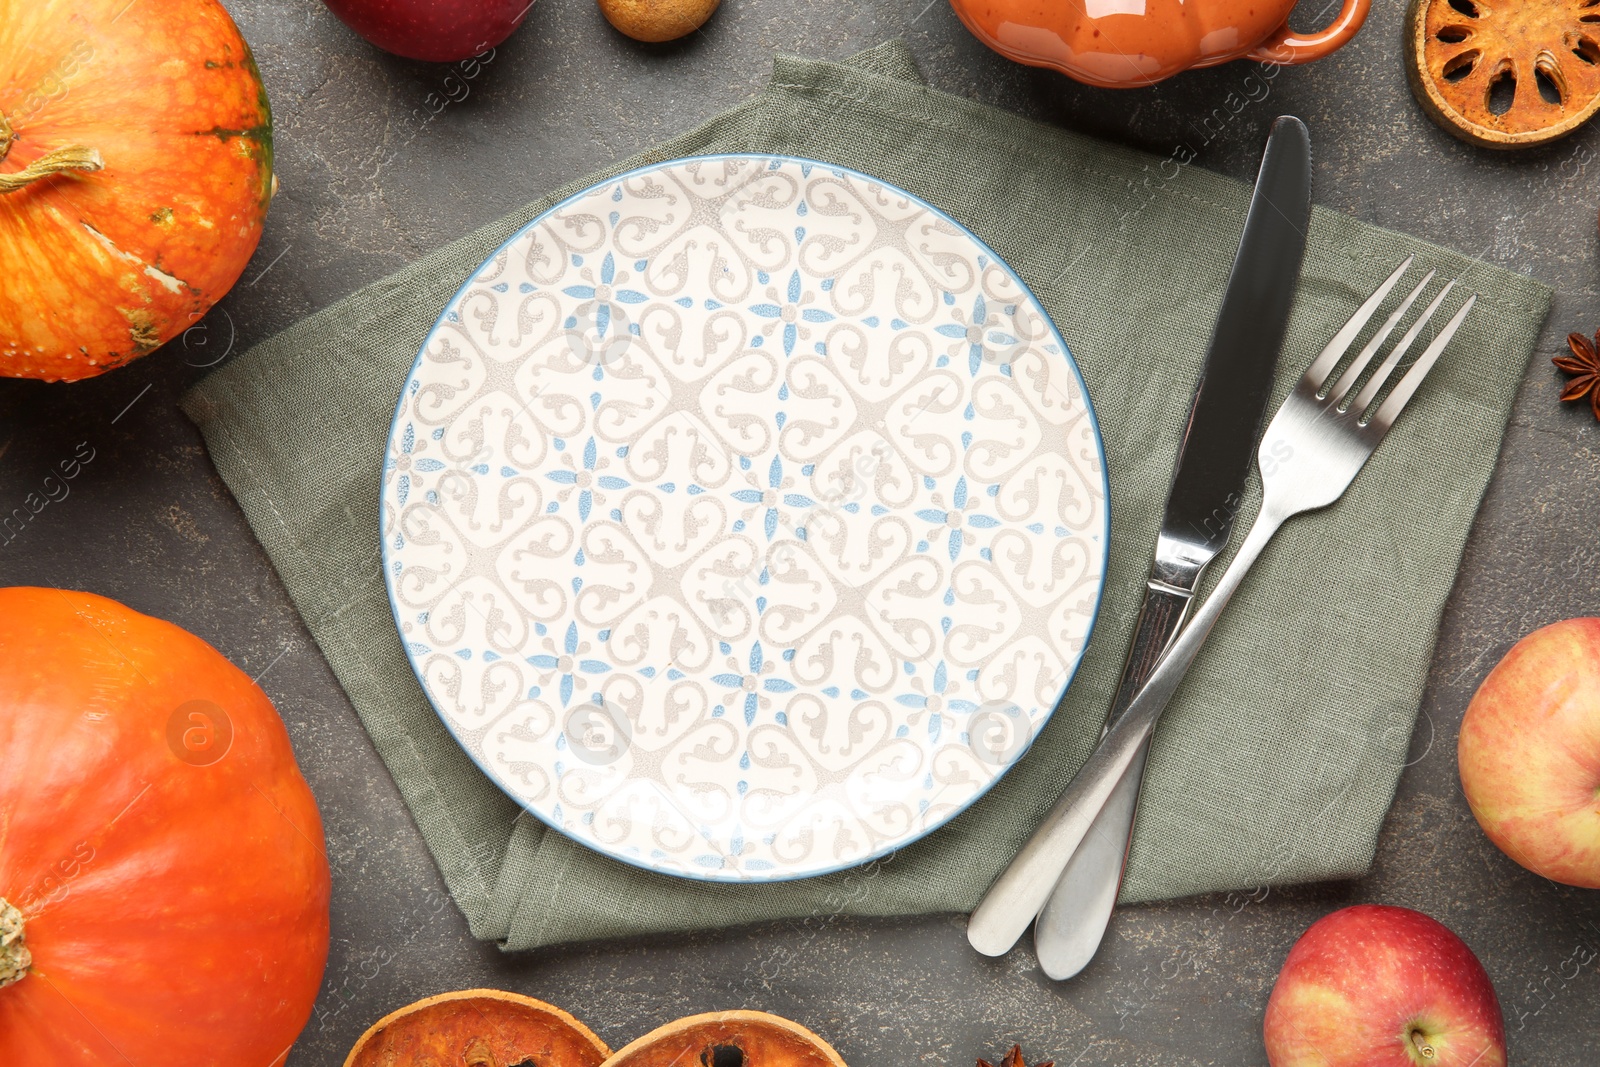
1314	447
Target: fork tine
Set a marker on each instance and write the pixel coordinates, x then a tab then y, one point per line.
1375	383
1396	401
1323	365
1347	380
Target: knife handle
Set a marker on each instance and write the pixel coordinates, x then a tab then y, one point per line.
1069	929
1023	888
1160	618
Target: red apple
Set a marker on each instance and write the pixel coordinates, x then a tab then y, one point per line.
1530	753
438	30
1377	986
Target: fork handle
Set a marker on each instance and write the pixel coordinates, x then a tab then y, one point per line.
1024	886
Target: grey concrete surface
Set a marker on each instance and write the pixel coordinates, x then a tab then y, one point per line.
367	186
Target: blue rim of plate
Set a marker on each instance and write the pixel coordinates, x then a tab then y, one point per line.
1105	533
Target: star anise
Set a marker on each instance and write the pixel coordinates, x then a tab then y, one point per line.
1585	364
1014	1059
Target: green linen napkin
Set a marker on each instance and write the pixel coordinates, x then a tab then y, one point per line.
1278	758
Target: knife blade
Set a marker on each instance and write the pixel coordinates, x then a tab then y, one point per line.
1207	485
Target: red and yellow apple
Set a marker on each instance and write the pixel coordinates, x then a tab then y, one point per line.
1379	986
1530	753
441	31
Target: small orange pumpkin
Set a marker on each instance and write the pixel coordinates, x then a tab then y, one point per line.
135	172
163	881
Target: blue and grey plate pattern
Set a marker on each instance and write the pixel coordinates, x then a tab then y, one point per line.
744	518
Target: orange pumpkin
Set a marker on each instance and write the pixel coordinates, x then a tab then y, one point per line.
135	171
163	880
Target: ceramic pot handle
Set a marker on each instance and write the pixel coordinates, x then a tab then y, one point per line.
1287	47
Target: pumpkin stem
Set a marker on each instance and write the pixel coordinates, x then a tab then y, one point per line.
73	157
15	959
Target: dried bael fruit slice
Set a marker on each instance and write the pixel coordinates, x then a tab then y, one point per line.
1506	73
728	1039
478	1028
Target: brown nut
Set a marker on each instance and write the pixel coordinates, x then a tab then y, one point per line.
657	20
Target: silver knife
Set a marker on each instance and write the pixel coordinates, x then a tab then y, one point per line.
1207	484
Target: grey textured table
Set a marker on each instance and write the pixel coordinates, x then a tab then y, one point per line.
367	186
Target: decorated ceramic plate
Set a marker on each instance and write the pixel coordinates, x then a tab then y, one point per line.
744	518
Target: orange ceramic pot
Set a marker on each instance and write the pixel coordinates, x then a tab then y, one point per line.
1124	44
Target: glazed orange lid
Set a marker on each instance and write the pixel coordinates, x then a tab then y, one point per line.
478	1028
1124	44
